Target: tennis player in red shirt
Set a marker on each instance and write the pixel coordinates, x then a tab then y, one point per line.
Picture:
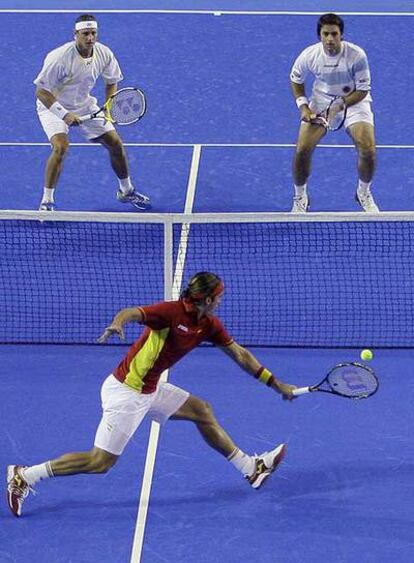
134	390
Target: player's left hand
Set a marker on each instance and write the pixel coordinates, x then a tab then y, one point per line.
109	331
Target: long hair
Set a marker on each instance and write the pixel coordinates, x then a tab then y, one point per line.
201	286
330	19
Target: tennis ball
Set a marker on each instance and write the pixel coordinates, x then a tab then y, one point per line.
366	355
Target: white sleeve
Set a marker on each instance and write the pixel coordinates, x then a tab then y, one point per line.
362	75
52	74
112	71
300	69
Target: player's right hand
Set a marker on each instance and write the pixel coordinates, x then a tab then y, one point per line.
286	390
72	119
109	331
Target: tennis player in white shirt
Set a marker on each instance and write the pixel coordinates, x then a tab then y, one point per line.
63	89
341	69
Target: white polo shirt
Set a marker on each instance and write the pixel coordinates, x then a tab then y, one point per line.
336	75
70	77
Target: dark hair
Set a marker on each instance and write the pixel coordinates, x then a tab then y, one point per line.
330	19
201	286
85	18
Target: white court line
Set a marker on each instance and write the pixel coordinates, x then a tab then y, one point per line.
207	145
138	541
207	12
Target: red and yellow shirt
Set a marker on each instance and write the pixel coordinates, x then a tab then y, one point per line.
171	331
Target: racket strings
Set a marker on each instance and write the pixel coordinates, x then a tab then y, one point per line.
127	107
355	381
335	114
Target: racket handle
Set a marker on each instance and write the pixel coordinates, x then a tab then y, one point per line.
86	118
300	391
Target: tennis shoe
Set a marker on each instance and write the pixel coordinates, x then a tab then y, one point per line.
140	201
47	206
265	465
17	488
367	202
300	204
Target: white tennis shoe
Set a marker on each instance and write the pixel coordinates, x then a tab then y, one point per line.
265	465
300	204
140	201
47	206
367	202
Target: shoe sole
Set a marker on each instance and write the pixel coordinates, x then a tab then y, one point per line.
141	207
276	462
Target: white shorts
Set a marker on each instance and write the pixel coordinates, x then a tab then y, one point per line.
52	125
360	112
124	409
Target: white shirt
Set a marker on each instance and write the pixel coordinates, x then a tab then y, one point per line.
336	75
70	77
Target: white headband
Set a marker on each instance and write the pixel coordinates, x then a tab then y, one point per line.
86	25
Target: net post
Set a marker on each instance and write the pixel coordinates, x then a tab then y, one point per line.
168	259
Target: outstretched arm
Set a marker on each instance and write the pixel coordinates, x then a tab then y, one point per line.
122	318
249	363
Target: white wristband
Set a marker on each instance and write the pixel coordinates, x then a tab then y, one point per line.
301	101
58	110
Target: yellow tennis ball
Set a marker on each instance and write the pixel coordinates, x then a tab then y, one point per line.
366	355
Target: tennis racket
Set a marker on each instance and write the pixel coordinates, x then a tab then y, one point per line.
351	380
333	117
125	107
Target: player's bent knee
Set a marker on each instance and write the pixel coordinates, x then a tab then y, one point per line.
303	154
368	151
117	150
203	411
60	149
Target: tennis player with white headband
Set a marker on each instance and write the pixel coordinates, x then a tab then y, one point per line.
63	95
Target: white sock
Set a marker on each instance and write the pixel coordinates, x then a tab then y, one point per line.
363	187
125	185
37	472
48	195
300	190
241	461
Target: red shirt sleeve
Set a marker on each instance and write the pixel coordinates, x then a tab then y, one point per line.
160	315
219	334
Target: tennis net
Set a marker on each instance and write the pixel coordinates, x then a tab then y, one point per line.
318	280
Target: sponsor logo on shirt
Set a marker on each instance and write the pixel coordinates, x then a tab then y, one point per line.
187	330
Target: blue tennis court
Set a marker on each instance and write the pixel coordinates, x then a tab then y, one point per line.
221	126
